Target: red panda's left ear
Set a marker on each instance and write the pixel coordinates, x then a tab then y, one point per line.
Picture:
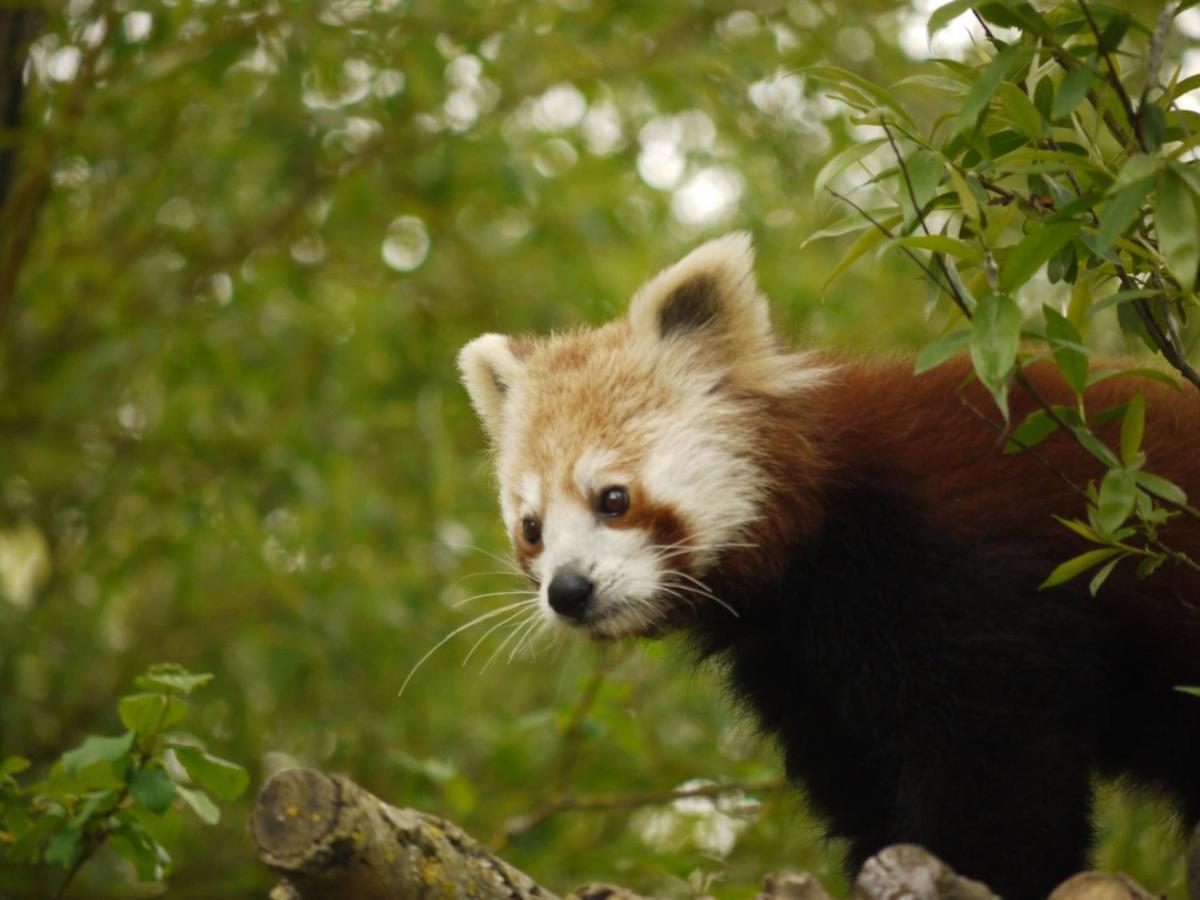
708	304
489	369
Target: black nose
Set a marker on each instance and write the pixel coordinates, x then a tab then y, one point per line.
569	593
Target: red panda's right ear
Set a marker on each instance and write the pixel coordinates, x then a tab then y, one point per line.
489	370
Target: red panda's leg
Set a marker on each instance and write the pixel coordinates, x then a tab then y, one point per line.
1017	818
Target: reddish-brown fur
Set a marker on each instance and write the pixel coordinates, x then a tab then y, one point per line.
928	433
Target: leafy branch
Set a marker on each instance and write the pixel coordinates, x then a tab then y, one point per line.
121	790
1017	161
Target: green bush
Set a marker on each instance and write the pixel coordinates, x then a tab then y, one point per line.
125	791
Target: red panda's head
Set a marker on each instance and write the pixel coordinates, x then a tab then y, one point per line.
626	455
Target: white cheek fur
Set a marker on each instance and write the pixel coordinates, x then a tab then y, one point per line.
621	562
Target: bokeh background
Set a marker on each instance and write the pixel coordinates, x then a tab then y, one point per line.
231	433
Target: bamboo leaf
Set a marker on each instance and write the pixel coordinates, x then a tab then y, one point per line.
986	84
1120	211
1036	428
995	340
1021	110
1033	252
1178	227
1078	565
1133	426
865	242
844	160
940	351
1071	91
941	243
1118	493
1160	487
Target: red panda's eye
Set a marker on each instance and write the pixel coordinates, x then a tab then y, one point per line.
614	501
531	530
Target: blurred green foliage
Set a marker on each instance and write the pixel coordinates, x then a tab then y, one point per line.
231	433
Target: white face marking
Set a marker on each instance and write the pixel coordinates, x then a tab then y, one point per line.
594	470
620	563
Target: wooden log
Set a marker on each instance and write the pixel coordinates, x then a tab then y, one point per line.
331	839
913	873
1100	886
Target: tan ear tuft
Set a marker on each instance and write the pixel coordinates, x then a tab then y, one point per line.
708	305
710	288
489	370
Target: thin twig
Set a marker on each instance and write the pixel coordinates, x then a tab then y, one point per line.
524	824
920	214
1115	78
916	259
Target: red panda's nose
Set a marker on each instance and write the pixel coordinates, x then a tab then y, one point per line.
569	593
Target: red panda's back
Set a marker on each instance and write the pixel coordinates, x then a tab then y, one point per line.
942	440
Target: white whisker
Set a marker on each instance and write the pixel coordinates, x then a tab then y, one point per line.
504	562
459	630
526	592
500	624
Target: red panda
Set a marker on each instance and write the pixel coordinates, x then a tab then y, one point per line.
846	539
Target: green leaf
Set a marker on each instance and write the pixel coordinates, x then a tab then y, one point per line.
1099	375
1120	211
1136	168
171	678
1080	529
64	847
924	169
844	160
880	95
131	843
1071	91
1036	428
1021	110
1102	575
1097	448
966	199
216	775
944	15
14	765
200	803
96	802
1133	425
1078	565
1032	253
1066	345
845	225
941	243
985	86
933	355
865	242
1178	227
1118	493
153	788
1160	487
995	340
1120	297
150	714
96	749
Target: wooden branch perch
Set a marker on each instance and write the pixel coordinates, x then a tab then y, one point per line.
331	839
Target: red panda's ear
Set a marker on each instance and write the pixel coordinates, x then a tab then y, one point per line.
708	306
489	369
710	293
